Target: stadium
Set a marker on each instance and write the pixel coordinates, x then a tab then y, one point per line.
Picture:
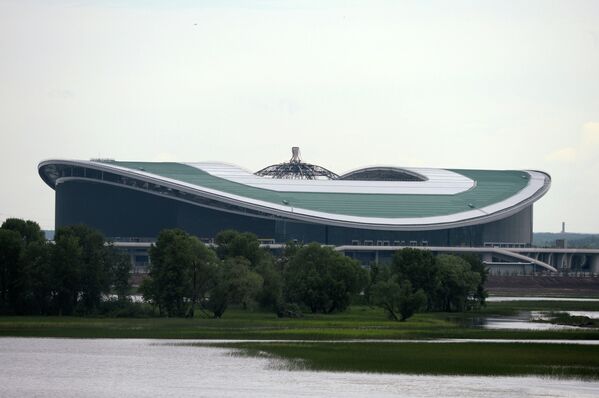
299	201
366	213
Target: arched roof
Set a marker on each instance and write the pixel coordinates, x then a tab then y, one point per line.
444	198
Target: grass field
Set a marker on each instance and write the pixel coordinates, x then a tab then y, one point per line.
484	359
359	323
356	323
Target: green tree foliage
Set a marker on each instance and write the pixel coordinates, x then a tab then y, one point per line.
445	282
17	237
231	243
74	273
396	298
235	283
204	269
271	294
322	279
28	230
67	258
93	266
243	284
11	247
420	268
184	273
120	264
458	284
39	272
376	273
476	265
171	262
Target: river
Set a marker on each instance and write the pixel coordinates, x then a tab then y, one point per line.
44	367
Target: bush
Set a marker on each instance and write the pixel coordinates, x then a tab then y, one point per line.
115	308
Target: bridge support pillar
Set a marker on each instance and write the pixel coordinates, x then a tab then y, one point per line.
594	264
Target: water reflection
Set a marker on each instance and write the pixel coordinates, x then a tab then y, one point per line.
522	321
141	368
590	314
498	299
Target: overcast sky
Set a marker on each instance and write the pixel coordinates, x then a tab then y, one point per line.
456	84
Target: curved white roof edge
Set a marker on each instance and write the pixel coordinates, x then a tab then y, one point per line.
538	185
439	182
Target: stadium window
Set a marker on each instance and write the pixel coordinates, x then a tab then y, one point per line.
92	173
78	172
110	177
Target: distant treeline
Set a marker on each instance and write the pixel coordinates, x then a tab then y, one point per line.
73	275
574	240
187	278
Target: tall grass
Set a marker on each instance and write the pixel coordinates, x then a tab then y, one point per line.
554	360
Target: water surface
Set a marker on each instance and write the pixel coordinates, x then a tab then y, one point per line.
498	299
43	367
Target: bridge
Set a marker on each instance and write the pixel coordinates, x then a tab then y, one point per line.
500	260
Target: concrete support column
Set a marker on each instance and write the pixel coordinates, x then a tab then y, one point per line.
594	264
569	261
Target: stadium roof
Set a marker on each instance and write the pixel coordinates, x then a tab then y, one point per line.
434	199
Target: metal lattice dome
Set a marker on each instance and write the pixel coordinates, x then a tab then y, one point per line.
296	169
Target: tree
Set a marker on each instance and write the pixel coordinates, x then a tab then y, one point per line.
204	266
271	294
243	284
322	279
183	273
396	298
71	275
476	265
420	269
171	260
18	235
28	230
231	243
95	271
458	283
376	273
11	270
39	273
234	244
236	283
120	270
67	257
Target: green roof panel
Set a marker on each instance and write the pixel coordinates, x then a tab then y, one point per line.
492	186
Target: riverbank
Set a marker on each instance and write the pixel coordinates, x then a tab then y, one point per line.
358	322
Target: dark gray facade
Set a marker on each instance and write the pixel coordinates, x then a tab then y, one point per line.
124	213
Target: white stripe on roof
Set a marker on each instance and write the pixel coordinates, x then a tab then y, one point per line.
439	182
537	185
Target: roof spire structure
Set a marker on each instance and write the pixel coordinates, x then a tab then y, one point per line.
295	155
296	169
